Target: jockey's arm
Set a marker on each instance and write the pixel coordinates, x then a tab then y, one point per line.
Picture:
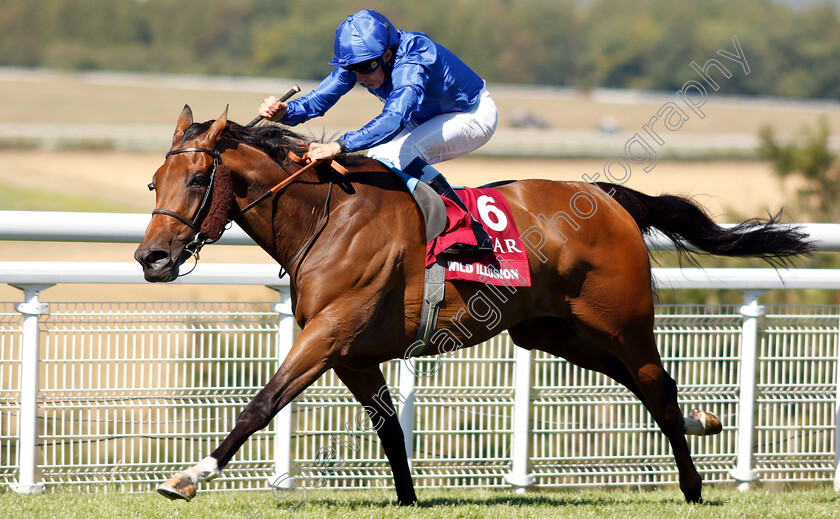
398	109
317	102
409	78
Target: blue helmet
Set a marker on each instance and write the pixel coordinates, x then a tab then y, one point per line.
363	36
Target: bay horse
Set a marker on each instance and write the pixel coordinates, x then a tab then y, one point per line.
354	247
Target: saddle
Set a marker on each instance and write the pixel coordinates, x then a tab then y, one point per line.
447	223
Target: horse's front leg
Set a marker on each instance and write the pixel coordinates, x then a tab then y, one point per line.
307	360
370	389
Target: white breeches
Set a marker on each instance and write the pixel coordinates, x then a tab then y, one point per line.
443	137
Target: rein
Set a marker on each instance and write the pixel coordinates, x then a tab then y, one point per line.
304	249
322	223
335	165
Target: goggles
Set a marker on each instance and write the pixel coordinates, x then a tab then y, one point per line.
365	67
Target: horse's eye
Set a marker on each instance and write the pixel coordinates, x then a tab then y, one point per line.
151	186
199	179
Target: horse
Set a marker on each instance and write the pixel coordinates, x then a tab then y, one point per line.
353	244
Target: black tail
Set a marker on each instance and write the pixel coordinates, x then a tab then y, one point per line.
690	228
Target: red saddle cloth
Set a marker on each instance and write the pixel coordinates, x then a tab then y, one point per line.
508	265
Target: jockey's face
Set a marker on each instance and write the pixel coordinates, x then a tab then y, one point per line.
375	79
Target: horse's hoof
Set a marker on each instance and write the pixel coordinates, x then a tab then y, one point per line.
711	424
692	489
701	423
178	486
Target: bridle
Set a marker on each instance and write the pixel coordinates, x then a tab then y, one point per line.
200	239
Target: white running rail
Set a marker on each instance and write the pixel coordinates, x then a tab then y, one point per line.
736	453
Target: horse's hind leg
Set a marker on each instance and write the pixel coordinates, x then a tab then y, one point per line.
635	345
629	357
558	337
369	387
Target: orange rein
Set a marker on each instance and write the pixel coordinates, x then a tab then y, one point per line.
371	165
285	182
294	157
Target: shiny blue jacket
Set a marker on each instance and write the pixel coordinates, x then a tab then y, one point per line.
424	80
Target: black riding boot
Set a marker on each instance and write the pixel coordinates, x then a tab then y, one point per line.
425	172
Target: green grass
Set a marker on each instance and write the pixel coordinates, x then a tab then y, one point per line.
14	198
438	504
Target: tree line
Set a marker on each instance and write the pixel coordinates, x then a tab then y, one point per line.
646	44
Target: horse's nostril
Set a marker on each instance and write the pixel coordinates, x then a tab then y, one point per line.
154	257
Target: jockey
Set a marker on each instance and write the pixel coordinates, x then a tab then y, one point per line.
436	107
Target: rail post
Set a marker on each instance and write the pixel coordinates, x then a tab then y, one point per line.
752	313
837	418
519	477
31	309
408	384
283	421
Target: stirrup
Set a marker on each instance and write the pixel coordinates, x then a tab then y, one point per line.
466	248
484	243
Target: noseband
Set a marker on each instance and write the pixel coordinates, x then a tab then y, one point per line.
200	239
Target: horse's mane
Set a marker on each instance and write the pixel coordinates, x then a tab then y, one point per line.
275	140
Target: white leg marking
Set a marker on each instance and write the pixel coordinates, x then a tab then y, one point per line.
205	470
701	423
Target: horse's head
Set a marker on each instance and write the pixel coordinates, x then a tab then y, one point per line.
183	187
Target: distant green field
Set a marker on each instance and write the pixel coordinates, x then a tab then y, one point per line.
150	99
434	504
13	198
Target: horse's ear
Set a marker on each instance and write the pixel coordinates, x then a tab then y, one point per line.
217	127
184	122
